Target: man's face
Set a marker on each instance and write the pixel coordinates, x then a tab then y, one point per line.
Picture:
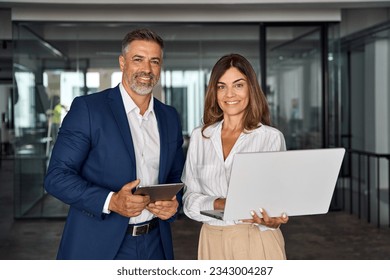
141	66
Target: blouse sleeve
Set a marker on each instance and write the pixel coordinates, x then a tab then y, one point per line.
194	198
282	142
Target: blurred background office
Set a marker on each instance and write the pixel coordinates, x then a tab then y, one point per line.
324	66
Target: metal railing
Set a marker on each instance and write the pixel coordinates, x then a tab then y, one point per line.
363	187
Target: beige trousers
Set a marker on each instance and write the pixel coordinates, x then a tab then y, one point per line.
240	242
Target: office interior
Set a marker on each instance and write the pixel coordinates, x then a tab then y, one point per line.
323	65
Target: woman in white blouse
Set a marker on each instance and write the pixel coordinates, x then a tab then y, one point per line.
236	119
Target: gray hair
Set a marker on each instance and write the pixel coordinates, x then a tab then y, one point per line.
141	34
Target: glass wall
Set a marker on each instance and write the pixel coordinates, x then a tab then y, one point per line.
294	83
32	107
190	56
334	103
369	61
366	123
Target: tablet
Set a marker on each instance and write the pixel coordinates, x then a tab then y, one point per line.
159	191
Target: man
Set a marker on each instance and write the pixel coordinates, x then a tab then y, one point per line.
108	143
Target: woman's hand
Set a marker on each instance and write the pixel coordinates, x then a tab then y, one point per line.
267	221
219	204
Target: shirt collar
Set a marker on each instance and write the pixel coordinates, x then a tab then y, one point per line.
131	106
213	130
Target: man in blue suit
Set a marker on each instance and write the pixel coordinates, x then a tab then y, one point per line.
108	143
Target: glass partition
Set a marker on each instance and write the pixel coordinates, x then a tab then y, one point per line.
294	83
190	53
334	84
366	129
32	110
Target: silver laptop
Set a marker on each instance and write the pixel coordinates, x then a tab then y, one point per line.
296	182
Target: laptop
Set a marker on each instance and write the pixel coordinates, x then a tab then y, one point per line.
296	182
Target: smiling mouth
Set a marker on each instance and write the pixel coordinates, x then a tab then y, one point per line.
231	102
142	76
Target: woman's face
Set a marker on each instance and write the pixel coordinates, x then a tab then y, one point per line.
233	92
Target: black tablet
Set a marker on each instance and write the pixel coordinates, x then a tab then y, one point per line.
159	191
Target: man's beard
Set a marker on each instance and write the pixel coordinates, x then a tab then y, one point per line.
143	88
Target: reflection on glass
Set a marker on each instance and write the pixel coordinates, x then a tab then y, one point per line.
365	128
294	84
334	100
36	120
185	91
29	143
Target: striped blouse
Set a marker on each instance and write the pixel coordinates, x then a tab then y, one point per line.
206	174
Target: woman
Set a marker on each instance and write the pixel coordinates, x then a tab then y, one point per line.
236	119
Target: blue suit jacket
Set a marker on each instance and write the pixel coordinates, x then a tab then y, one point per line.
94	155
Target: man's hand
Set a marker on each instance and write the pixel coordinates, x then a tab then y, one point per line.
126	203
164	209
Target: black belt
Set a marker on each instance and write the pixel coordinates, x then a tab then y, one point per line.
143	228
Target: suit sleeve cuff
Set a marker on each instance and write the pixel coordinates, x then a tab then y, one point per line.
107	203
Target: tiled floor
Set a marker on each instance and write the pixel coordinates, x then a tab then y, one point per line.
336	235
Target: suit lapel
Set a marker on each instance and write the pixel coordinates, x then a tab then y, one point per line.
162	129
118	110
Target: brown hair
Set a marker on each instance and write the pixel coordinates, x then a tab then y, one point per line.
257	110
141	34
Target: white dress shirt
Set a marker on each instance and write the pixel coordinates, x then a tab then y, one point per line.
206	174
146	141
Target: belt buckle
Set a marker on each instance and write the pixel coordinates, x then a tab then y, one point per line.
141	229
